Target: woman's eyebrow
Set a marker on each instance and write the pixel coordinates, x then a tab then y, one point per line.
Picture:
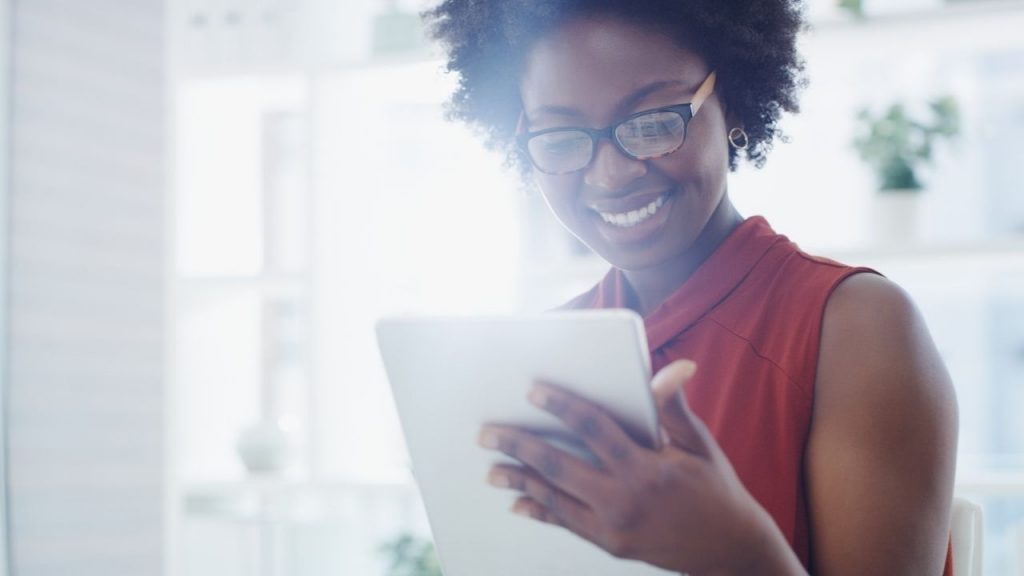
553	111
631	100
628	102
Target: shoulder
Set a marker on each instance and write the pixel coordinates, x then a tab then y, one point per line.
882	446
801	275
871	324
875	346
780	305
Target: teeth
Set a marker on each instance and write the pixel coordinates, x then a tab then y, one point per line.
634	217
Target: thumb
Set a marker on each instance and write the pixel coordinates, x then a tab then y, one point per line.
683	427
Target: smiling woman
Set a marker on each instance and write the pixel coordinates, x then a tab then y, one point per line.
819	424
614	70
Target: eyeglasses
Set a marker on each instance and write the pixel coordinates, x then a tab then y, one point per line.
641	136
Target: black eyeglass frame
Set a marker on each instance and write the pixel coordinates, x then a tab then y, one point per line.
687	111
596	134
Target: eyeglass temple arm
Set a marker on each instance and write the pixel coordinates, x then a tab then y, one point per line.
705	90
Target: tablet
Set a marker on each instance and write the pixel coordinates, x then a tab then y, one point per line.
451	375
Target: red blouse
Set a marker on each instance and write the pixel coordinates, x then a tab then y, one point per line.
750	316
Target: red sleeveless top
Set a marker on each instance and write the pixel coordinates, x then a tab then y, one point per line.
750	316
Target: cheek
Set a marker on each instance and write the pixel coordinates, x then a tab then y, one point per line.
703	166
559	191
709	154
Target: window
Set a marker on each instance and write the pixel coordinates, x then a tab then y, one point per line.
298	228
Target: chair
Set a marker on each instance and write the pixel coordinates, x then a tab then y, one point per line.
966	534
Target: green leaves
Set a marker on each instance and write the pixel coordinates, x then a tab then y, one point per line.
410	555
855	7
895	144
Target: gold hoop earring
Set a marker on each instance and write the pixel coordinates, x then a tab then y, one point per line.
738	138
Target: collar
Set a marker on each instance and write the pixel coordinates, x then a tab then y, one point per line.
710	284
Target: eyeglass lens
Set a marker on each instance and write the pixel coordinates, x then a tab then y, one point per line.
652	134
642	137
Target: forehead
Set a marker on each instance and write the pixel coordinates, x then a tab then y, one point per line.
594	65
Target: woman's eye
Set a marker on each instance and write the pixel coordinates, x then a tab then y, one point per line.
563	143
656	125
560	147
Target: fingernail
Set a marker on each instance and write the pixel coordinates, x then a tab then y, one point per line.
687	368
524	511
488	439
498	479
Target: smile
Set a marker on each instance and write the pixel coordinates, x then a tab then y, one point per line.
634	217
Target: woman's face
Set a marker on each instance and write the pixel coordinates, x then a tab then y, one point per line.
594	72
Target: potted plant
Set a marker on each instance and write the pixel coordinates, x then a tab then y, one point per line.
854	7
896	145
397	31
411	555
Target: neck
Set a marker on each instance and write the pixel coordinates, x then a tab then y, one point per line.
652	286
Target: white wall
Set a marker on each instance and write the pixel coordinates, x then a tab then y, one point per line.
5	51
86	287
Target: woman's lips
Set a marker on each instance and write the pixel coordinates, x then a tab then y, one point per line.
635	221
629	218
628	203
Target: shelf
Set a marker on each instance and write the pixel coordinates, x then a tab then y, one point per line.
313	63
289	501
942	35
275	284
953	12
992	484
1005	253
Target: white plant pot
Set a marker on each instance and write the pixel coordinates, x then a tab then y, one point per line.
884	7
263	448
896	217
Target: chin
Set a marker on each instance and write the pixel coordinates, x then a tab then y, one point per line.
637	262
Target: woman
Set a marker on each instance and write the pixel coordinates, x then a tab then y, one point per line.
810	424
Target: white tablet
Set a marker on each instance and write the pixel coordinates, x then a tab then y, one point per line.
449	376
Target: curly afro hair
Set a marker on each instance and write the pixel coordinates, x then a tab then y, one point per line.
750	43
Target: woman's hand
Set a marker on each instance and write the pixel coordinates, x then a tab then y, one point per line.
681	508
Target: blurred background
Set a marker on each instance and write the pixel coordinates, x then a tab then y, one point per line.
206	204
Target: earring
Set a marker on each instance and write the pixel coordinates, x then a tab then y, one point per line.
738	138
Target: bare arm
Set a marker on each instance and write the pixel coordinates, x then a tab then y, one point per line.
879	465
882	448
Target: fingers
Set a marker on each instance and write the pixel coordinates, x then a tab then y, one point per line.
578	520
684	429
602	434
669	380
557	506
583	523
569	473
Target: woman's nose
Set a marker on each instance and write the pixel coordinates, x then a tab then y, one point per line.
611	169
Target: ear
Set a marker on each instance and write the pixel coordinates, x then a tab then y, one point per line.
731	119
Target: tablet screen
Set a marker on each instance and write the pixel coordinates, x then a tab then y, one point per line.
449	376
